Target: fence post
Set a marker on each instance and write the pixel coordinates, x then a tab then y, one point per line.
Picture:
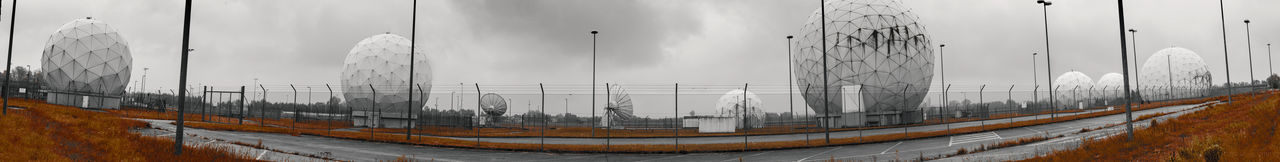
543	141
294	124
262	110
1010	105
944	107
242	106
204	95
905	133
676	95
746	127
369	114
331	109
477	127
986	112
608	118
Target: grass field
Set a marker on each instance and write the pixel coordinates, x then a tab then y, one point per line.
44	132
1244	130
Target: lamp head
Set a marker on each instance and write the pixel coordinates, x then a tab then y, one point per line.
594	32
1132	30
1046	3
943	45
1246	21
789	37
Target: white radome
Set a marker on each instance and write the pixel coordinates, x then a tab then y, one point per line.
383	61
87	55
1189	74
1072	87
1110	85
890	52
731	105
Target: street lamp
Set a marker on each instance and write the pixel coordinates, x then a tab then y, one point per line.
942	67
1136	81
1249	46
593	82
1034	80
413	29
1047	56
1270	66
791	98
1222	18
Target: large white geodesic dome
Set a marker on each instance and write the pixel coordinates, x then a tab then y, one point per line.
877	44
1110	85
383	61
731	104
1183	67
87	55
1072	87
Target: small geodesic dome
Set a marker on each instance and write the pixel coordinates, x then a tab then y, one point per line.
1174	72
383	62
86	64
732	105
87	56
1072	88
1110	85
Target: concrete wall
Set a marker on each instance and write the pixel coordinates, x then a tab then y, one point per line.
716	125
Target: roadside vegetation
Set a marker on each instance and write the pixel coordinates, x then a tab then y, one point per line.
397	136
45	132
1244	130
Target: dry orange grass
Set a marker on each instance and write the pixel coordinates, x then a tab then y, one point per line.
45	132
1244	130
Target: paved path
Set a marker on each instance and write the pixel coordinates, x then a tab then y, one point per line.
909	149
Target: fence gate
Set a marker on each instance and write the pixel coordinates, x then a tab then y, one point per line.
223	106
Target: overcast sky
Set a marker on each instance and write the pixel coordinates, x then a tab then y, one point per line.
642	42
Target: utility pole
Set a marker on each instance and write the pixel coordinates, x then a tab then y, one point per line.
4	91
413	29
1226	59
182	78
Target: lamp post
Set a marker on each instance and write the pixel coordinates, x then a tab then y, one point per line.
1249	47
942	67
1270	66
1226	59
593	81
826	101
1136	81
791	98
413	29
1047	56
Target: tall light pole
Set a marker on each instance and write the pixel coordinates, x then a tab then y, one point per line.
9	62
593	82
1222	17
1136	81
1035	80
943	68
826	101
1124	66
1270	66
182	78
1048	57
413	33
791	98
1249	47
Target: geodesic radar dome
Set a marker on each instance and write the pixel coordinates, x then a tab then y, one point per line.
87	55
1183	67
1072	87
732	105
877	44
383	61
1111	85
493	104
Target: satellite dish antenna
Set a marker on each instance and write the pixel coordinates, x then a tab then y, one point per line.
493	104
619	107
